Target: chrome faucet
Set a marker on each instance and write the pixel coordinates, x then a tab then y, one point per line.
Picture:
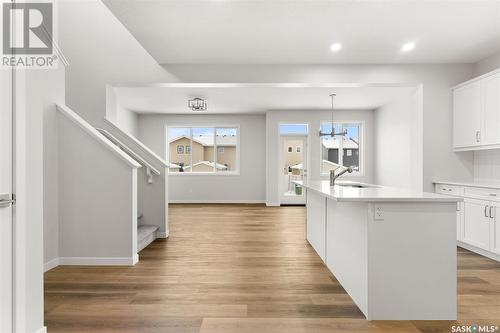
334	176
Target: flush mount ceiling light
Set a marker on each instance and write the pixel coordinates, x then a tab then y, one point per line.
333	133
407	47
197	104
335	47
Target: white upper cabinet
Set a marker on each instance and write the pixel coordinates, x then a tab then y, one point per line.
490	93
476	113
466	115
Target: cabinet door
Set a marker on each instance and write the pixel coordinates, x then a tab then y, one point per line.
467	115
316	223
495	227
490	93
476	224
460	217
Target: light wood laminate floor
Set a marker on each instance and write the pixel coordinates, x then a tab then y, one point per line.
238	268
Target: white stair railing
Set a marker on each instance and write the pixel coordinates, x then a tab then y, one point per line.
150	170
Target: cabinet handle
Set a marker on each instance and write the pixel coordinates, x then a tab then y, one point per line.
478	136
491	210
485	208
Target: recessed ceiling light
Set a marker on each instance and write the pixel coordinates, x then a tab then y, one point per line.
335	47
408	47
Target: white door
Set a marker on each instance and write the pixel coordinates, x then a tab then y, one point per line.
476	223
467	115
493	213
293	166
490	91
5	197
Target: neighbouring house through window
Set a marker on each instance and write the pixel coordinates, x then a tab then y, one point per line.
207	149
342	150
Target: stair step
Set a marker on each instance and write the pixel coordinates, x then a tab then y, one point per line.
146	234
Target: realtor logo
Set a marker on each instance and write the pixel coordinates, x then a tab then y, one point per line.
27	34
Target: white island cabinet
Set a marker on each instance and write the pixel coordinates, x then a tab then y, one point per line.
393	251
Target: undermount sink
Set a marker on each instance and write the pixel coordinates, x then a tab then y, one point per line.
353	185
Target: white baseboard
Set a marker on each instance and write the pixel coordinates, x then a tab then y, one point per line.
42	330
477	250
216	201
99	261
50	264
162	234
272	204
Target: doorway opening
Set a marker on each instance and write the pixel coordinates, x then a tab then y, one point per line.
293	152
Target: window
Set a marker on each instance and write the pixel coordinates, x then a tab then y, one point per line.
290	149
294	129
341	150
203	149
297	149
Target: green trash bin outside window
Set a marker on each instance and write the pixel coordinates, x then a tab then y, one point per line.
298	189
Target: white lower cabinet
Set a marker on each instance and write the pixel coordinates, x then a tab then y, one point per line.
494	212
316	223
476	223
460	220
478	227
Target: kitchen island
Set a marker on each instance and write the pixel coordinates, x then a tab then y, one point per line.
393	250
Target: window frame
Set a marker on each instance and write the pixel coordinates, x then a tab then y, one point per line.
361	124
236	163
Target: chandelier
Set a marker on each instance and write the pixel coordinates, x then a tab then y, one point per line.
332	133
197	104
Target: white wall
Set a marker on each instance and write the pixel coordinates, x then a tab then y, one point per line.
248	186
53	87
128	121
36	214
487	166
97	200
393	143
439	161
486	65
314	119
100	50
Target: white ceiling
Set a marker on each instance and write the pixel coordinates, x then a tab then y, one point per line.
253	98
301	32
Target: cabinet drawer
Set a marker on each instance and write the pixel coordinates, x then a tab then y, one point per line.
486	193
447	189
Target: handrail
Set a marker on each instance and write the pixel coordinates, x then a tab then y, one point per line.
139	144
86	127
130	152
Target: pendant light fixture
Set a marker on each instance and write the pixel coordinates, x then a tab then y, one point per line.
332	133
197	104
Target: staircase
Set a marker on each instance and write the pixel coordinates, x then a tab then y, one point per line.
146	234
106	178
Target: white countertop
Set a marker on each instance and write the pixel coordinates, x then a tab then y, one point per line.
373	193
482	185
